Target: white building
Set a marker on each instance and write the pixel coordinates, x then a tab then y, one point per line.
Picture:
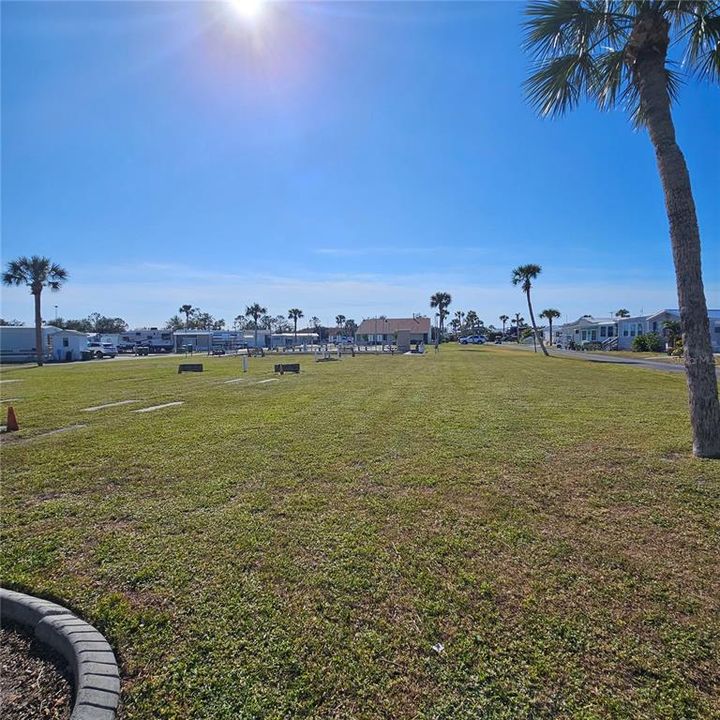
619	333
288	340
584	330
17	344
630	328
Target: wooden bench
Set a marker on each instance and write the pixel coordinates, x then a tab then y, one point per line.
282	368
190	367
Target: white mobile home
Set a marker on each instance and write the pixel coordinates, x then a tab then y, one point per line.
17	344
288	340
584	330
630	328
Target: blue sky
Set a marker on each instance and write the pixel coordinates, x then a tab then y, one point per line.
345	158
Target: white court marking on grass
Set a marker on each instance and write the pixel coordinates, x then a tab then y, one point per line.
113	404
10	399
236	380
9	381
261	382
51	432
159	407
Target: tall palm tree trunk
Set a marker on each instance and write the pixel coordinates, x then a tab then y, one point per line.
38	328
551	335
651	33
535	330
295	331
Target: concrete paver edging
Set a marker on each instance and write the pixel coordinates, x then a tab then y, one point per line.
97	679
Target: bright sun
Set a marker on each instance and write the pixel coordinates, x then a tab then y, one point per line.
250	10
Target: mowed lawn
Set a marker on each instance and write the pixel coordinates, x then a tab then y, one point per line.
298	548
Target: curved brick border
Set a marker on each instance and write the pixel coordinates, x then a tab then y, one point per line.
97	680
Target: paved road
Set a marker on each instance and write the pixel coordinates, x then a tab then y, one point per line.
589	356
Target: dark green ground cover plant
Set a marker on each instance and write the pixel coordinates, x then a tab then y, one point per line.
295	549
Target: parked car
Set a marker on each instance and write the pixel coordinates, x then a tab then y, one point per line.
101	350
472	340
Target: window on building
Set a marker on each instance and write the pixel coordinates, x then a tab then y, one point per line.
66	342
603	331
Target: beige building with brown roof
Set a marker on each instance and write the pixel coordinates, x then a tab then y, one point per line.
385	330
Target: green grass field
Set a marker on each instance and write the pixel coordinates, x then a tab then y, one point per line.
295	549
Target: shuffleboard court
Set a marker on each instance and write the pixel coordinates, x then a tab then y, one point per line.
95	408
58	431
159	407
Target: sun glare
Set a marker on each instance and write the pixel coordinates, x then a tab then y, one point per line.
249	10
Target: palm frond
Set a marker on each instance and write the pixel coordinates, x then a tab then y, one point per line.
558	84
702	35
610	78
559	27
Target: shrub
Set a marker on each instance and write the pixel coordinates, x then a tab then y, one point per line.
650	342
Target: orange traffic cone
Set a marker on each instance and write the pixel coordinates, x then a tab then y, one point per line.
12	423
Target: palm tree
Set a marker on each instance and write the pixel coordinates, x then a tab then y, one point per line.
672	329
472	320
295	314
616	53
187	310
503	319
441	300
339	322
518	322
459	316
622	313
550	314
37	273
523	275
255	311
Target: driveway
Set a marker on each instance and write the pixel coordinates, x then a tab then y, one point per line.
589	356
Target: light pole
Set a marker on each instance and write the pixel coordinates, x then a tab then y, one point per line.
56	312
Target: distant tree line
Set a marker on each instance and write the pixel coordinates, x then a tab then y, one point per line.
256	317
93	323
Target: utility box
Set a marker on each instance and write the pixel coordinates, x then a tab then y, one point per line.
403	341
